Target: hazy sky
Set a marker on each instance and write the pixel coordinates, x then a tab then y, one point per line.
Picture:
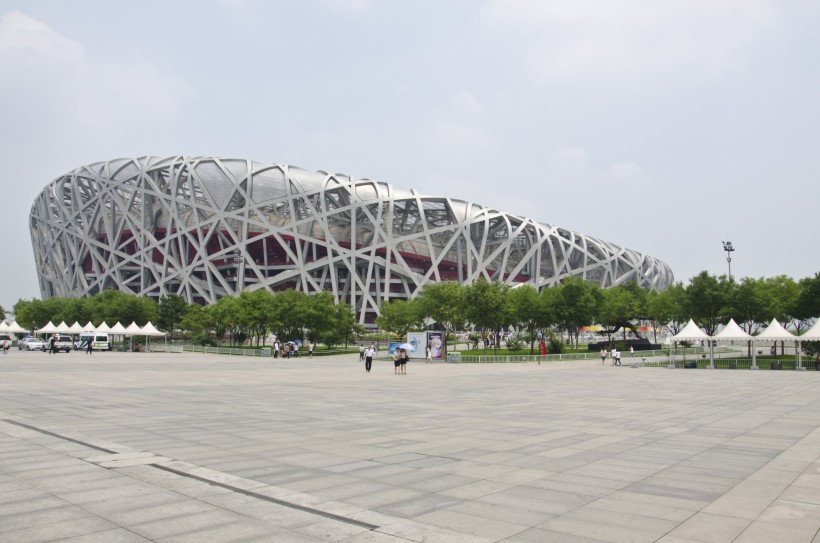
664	126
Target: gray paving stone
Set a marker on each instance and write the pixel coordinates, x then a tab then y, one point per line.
525	451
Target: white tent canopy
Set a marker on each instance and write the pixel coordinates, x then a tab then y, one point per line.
690	332
150	330
775	332
47	329
75	328
117	329
732	332
104	328
812	334
63	328
15	328
89	327
133	330
4	326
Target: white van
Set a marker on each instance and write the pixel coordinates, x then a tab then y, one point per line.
99	340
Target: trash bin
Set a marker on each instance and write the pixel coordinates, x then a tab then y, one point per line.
454	357
267	351
690	365
777	366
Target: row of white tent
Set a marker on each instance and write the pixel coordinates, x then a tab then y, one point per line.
733	332
118	329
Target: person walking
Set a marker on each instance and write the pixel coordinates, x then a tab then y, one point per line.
631	351
89	346
361	353
52	344
368	358
612	354
603	356
617	357
310	349
6	346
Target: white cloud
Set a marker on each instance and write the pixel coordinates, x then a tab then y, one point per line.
627	173
54	78
633	39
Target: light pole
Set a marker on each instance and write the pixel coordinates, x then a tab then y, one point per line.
727	246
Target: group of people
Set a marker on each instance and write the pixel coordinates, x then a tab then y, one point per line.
615	354
400	358
291	349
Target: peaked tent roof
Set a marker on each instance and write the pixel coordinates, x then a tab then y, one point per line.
150	330
4	326
63	328
690	332
75	328
117	329
89	327
15	328
103	328
47	329
133	330
732	332
775	332
812	334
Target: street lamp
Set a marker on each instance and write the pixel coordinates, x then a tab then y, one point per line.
727	246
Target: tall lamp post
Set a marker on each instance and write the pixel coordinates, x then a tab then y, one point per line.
727	246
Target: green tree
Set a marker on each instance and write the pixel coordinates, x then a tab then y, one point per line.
291	308
444	303
344	326
170	311
806	305
487	306
225	318
708	299
401	316
668	308
578	304
256	313
320	315
527	312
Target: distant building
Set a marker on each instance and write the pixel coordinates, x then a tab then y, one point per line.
205	227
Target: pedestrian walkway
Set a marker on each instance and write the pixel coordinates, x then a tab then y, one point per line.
190	447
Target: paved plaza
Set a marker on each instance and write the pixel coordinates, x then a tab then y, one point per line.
135	447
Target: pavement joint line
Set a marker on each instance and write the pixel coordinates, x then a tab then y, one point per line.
232	488
253	494
64	438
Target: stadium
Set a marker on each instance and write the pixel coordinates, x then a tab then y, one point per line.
205	227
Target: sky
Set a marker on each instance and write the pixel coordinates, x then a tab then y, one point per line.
665	127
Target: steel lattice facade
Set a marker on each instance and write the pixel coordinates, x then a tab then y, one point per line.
205	227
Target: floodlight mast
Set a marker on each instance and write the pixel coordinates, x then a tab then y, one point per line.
727	246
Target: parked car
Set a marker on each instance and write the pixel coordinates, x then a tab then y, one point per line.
62	342
34	344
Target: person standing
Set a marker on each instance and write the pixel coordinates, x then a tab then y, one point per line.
286	351
396	361
429	355
361	353
276	348
89	346
603	356
631	351
52	344
310	349
6	346
612	354
617	357
368	358
405	357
